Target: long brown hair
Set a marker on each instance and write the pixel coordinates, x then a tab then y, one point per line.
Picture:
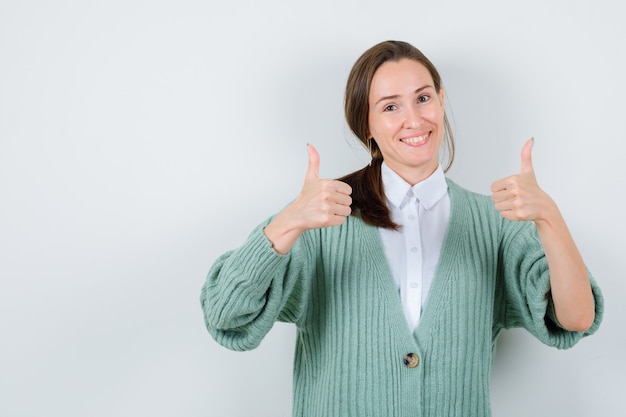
368	195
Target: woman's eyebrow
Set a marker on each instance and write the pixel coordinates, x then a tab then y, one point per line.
395	96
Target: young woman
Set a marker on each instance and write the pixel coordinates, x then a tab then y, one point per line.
399	280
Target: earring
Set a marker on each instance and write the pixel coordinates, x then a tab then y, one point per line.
369	150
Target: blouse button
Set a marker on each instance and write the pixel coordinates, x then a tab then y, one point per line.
411	360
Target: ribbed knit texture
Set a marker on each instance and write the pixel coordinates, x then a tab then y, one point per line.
336	286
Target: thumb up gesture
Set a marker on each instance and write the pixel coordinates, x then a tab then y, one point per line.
519	197
321	203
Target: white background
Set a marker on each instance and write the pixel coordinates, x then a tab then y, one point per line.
141	139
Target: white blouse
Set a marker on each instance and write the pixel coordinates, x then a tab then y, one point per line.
413	251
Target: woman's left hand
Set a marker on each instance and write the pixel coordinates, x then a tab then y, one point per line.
519	197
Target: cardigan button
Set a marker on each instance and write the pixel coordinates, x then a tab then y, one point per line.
411	360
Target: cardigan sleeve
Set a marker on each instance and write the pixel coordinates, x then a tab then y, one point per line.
526	279
248	289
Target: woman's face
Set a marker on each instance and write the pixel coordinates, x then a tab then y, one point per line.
406	118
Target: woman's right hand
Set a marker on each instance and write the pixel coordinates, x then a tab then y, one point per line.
321	203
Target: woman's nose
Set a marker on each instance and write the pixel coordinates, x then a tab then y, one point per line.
413	118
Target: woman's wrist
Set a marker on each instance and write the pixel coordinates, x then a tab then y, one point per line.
283	231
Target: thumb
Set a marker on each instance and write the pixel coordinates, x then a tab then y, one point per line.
313	171
527	160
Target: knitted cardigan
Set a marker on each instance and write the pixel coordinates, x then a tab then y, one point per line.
352	339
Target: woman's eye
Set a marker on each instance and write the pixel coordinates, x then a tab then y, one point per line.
423	99
390	107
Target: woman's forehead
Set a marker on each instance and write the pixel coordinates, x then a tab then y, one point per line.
402	77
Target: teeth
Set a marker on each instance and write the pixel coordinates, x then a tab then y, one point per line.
417	139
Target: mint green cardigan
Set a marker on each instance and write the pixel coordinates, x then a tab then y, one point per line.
352	339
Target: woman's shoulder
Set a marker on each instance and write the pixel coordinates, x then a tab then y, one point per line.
458	192
471	207
475	208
